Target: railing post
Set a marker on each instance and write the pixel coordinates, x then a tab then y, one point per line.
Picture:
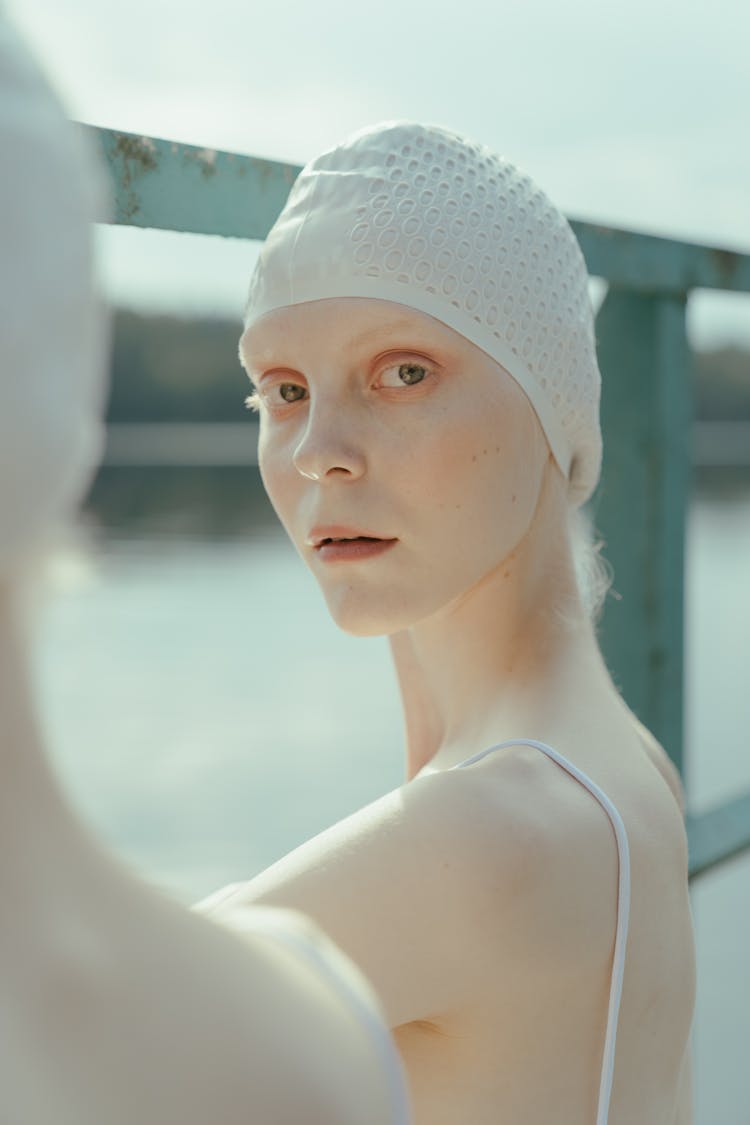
641	503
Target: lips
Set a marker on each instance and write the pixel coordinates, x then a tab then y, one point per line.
339	533
342	543
353	550
350	539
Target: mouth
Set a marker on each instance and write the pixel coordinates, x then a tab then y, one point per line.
351	539
326	534
352	549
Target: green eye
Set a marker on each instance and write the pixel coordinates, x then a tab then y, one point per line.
406	374
411	373
291	392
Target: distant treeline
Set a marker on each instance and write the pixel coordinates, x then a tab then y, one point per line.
172	369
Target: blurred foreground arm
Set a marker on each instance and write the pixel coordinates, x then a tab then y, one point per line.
117	1006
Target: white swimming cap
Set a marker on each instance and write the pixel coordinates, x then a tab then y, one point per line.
54	327
419	215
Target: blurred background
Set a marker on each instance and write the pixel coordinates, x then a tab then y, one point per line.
204	713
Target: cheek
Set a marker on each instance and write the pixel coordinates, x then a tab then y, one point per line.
277	479
482	480
266	468
467	456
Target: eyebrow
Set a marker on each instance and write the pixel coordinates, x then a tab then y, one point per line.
389	328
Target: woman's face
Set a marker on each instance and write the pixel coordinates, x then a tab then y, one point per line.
378	420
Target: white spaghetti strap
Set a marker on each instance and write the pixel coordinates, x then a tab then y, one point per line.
623	909
376	1029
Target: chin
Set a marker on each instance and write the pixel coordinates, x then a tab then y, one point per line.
375	613
363	616
363	624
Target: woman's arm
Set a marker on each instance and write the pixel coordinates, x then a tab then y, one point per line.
417	885
389	886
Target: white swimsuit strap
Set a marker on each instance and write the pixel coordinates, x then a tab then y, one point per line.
379	1035
623	908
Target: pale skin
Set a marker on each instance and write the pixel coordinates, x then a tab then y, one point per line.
480	902
118	1005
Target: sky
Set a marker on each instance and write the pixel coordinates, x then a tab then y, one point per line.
635	115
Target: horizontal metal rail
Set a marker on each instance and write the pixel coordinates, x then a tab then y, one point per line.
173	186
714	445
718	835
181	444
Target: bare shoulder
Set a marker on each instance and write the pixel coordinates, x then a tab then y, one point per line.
663	763
461	863
531	864
556	852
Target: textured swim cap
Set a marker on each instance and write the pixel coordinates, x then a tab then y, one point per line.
419	215
54	330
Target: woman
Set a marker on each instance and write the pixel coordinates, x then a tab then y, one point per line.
421	343
117	1006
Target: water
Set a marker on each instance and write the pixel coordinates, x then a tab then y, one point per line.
206	716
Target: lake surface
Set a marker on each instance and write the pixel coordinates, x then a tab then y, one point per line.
201	707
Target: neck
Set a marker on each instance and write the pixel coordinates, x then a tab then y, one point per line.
508	659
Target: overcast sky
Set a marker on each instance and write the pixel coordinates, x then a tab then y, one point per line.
635	114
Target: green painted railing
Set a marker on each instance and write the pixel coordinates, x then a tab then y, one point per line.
641	503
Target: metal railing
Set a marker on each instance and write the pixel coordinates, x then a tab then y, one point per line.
641	503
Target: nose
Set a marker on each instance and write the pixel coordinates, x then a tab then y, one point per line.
329	447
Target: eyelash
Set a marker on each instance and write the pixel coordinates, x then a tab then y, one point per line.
254	400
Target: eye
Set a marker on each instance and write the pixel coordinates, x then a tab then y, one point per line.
290	392
279	394
407	374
